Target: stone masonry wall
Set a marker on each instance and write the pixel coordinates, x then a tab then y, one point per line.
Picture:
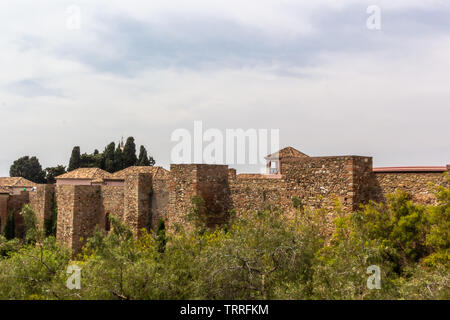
86	214
362	177
112	203
318	181
256	194
15	204
182	187
416	184
207	181
137	201
159	201
65	200
3	210
213	187
78	214
143	199
41	202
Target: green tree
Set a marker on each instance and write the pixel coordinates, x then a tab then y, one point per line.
35	272
28	168
143	158
118	158
91	160
198	215
265	254
75	159
129	153
262	256
50	223
161	237
108	157
438	233
9	230
52	172
32	234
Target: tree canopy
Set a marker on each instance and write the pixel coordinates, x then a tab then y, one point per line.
52	172
113	158
144	159
129	153
28	168
75	159
263	254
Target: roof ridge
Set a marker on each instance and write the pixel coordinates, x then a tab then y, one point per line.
286	152
94	173
16	182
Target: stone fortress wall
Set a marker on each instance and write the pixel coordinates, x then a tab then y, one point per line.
142	197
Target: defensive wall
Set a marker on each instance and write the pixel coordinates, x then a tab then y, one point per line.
141	199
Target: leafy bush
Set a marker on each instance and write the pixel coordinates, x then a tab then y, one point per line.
259	255
9	231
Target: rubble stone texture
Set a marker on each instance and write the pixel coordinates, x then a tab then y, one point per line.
141	196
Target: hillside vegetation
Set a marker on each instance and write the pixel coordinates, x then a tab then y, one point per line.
259	255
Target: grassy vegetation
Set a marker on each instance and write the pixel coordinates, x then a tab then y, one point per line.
259	255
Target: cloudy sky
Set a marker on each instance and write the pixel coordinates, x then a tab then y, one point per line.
309	68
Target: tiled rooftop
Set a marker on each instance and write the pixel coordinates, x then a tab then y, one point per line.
158	172
4	190
16	182
86	173
287	152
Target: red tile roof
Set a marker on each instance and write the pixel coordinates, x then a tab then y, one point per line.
157	172
16	182
86	174
4	190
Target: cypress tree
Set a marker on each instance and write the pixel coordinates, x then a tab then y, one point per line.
118	159
143	158
10	227
161	238
75	159
129	153
108	157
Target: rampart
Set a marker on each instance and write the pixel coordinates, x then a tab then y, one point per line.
144	196
418	184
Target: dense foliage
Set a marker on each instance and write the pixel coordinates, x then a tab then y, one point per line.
112	159
75	159
31	169
52	172
28	168
258	255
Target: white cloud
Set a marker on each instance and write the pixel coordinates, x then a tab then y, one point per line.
382	94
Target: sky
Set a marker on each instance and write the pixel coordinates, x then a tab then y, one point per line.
312	69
